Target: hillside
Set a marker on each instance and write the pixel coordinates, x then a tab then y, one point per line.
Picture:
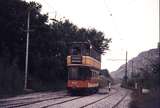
141	63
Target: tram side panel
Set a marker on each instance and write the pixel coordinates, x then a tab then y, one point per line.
83	76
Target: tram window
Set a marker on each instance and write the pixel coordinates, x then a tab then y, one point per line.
96	74
93	74
69	51
73	73
76	73
76	51
84	73
87	51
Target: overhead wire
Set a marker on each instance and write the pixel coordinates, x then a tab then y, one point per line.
115	27
112	19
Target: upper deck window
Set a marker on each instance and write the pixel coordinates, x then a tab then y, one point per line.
76	51
84	49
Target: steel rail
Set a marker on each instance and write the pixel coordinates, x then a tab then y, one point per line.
29	103
99	99
120	100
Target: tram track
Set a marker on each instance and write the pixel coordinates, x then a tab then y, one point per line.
20	104
108	105
23	99
99	99
116	105
62	102
30	96
51	105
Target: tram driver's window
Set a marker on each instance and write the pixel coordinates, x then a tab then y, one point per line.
76	51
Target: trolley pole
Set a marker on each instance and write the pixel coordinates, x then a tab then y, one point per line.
27	48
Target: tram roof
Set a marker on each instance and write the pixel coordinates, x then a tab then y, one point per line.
87	43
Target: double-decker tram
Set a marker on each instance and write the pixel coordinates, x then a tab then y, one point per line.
84	64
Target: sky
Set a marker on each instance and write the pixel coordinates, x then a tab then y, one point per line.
133	25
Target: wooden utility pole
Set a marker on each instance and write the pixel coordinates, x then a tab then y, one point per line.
126	69
27	48
132	74
159	56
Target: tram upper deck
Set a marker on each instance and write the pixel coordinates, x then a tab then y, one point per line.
83	54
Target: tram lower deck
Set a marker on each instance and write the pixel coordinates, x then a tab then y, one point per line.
82	78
